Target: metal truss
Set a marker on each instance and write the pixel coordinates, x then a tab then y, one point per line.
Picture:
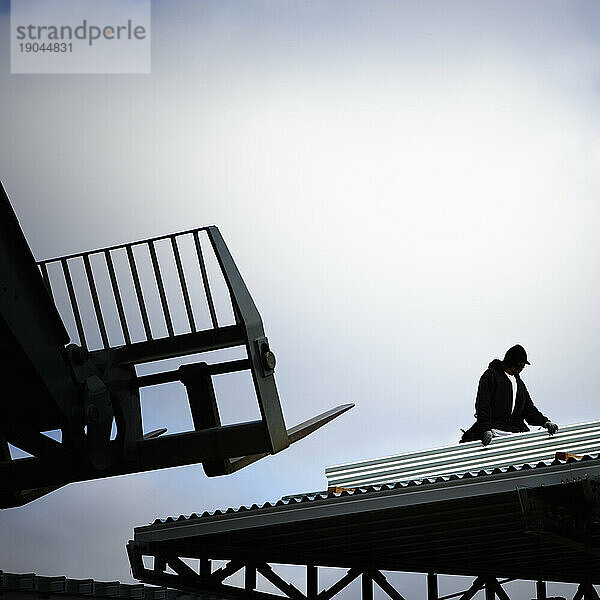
208	582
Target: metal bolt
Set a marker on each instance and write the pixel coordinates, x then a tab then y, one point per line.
269	360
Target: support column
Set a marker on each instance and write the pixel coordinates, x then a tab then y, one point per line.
367	586
432	586
205	568
540	586
250	578
312	582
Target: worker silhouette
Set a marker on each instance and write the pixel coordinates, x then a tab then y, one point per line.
503	403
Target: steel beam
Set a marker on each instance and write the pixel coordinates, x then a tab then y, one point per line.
205	581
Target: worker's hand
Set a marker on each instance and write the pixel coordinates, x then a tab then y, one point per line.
487	438
551	427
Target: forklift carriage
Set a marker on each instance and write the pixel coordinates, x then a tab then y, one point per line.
72	330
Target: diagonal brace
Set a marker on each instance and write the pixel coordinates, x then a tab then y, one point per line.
287	588
348	578
181	568
233	566
380	579
498	589
478	584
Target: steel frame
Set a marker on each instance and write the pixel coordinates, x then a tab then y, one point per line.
532	524
206	580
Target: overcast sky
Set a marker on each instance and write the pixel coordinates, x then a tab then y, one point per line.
408	188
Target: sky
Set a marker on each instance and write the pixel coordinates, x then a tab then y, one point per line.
408	189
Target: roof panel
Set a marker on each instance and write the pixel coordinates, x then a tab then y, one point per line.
516	449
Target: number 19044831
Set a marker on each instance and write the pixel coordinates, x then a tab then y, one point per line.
47	47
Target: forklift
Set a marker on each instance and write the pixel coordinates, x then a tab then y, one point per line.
74	328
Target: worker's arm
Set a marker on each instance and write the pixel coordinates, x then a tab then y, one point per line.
483	402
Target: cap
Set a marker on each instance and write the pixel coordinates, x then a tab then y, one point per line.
516	355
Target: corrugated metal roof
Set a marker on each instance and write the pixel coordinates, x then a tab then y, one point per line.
30	582
517	449
369	489
460	525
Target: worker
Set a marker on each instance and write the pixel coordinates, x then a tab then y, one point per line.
503	403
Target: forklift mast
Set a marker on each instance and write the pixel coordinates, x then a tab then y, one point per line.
73	329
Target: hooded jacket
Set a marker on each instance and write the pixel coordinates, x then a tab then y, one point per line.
494	401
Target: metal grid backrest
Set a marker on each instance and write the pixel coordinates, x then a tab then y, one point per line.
155	288
516	449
